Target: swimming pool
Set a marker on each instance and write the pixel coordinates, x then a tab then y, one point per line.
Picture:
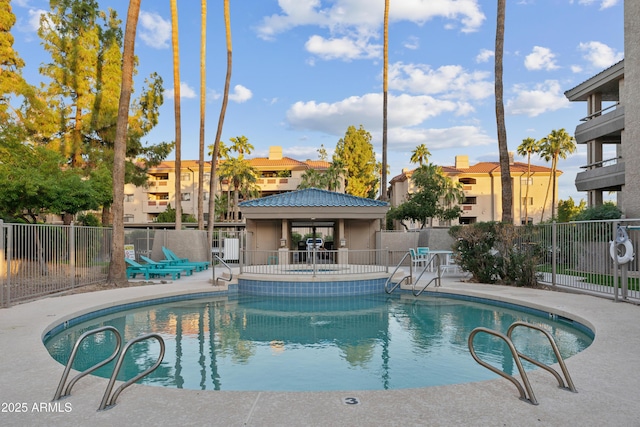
372	342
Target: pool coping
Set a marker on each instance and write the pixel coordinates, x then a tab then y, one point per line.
606	391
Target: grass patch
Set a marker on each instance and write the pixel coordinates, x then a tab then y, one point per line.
633	283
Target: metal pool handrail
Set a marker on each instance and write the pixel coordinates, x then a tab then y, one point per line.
386	284
67	391
531	398
110	401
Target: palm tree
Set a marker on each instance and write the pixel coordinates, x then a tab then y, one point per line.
311	178
385	78
241	145
558	144
203	99
503	149
223	109
243	177
117	269
420	155
176	100
334	176
528	146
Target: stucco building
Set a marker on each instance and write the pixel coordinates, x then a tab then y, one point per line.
277	174
482	186
611	127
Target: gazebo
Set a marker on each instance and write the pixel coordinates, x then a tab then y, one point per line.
354	221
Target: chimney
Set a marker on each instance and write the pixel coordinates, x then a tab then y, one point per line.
462	162
275	152
510	157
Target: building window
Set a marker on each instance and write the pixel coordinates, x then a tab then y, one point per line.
128	198
468	181
525	222
206	176
527	202
205	195
467	220
185	177
525	181
469	201
128	218
185	197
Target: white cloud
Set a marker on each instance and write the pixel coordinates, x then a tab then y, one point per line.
412	43
342	48
240	94
34	18
599	54
540	59
450	81
155	31
604	4
406	139
363	16
335	118
576	69
186	92
485	55
544	97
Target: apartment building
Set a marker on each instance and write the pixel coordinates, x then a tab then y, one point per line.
277	174
611	128
482	188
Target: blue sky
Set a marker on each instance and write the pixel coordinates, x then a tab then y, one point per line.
304	70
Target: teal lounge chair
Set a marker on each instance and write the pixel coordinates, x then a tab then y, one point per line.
175	260
188	269
150	271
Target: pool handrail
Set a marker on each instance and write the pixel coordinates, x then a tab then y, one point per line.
569	383
65	374
108	400
230	278
386	284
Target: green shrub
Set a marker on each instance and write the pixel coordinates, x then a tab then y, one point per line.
498	253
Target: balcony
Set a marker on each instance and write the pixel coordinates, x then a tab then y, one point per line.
604	127
155	206
278	184
607	175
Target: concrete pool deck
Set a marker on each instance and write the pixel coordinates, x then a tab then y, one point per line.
605	375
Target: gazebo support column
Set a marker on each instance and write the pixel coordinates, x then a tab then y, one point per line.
285	241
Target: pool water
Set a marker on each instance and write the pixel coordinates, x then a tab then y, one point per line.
373	342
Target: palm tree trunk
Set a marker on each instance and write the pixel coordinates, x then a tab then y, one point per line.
546	196
225	99
505	171
203	99
385	78
554	166
526	194
176	100
117	269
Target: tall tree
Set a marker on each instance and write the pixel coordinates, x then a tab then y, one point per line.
12	83
223	109
558	144
420	155
85	75
241	145
355	152
503	149
203	99
385	79
117	269
176	100
529	146
436	196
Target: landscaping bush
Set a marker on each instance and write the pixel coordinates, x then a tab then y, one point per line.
498	253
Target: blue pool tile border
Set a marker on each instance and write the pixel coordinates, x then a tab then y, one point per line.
311	288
